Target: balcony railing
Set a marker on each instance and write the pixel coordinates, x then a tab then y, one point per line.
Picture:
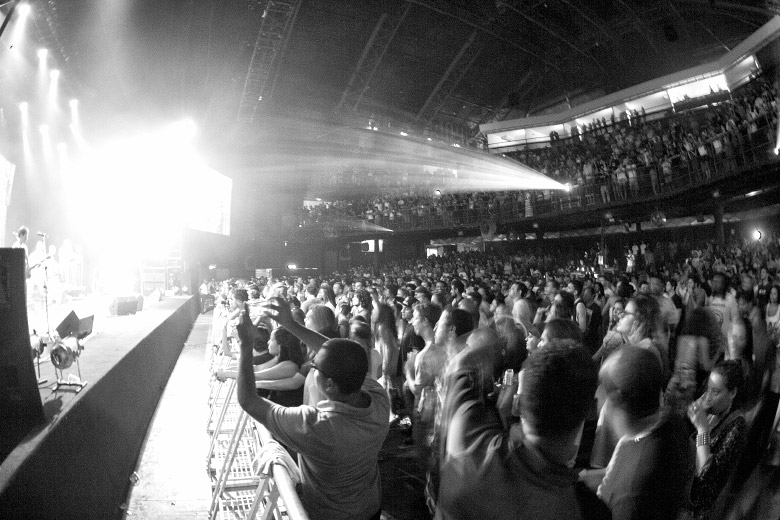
724	155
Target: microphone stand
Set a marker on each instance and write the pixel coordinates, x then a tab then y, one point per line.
46	307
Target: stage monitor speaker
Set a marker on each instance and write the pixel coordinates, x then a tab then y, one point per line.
123	305
20	400
73	326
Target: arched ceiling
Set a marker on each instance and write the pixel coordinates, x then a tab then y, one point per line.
436	62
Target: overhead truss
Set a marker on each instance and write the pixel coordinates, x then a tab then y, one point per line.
444	89
373	53
276	24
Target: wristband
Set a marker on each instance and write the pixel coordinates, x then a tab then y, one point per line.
702	439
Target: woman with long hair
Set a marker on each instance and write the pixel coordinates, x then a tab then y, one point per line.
327	296
612	339
386	341
285	363
289	356
387	344
773	313
640	323
721	430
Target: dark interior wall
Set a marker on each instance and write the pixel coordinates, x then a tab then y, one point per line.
81	467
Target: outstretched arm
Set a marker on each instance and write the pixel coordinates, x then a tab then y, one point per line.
257	407
289	383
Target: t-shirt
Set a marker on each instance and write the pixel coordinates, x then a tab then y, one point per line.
338	447
725	310
650	477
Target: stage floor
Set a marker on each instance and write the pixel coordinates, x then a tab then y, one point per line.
111	339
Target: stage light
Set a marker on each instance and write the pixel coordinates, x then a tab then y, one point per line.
24	109
74	111
752	193
42	54
44	129
182	132
24	10
757	234
26	147
404	134
54	75
567	187
292	267
777	151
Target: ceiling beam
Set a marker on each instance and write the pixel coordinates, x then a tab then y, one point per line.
372	56
458	68
473	24
732	6
552	32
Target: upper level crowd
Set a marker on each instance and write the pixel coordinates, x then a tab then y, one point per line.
606	162
534	383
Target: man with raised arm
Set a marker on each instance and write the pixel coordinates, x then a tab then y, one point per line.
526	472
337	440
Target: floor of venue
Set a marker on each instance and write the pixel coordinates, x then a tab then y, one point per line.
171	481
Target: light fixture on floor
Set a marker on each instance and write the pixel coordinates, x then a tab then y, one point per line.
68	344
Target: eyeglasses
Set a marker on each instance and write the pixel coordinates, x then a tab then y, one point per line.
623	313
318	369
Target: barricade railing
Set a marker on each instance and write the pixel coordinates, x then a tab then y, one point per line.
241	488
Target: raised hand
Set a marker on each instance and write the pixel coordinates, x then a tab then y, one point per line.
279	310
246	330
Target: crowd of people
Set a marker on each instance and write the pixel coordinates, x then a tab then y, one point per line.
526	388
609	161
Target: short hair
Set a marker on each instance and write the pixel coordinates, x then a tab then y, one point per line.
559	383
346	363
22	231
577	286
457	284
429	312
461	320
746	296
624	289
360	329
562	328
567	299
364	298
632	379
469	305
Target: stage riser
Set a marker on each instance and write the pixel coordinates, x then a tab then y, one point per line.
81	468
